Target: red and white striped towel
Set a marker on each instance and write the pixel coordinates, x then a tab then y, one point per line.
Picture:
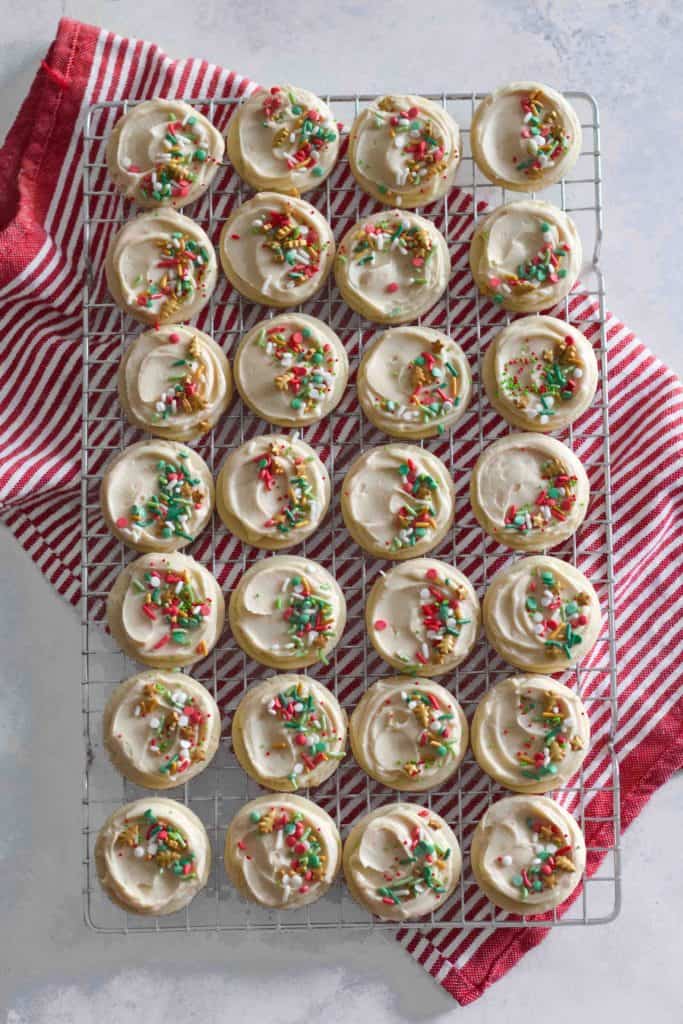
40	312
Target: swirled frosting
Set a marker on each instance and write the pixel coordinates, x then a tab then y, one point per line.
541	614
402	861
414	382
153	856
282	853
525	255
161	267
528	854
529	491
397	500
423	616
162	152
392	266
410	734
530	733
404	150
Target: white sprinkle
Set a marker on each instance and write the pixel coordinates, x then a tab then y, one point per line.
160	406
136	711
179	697
185	744
295	881
578	373
155	582
154	723
425	650
152	848
138	851
424	594
537	617
506	860
183	720
538	629
298	706
298	769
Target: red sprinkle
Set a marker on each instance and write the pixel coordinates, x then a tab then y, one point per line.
393	287
122	522
380	624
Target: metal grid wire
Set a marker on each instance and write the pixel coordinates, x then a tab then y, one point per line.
216	794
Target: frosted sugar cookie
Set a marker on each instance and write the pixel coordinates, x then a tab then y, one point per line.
414	382
401	862
275	250
530	733
283	852
283	140
166	610
289	732
161	729
287	612
529	492
273	491
408	733
397	501
422	616
153	856
392	267
174	382
164	153
528	854
157	495
161	267
541	614
540	373
526	255
525	136
404	150
291	370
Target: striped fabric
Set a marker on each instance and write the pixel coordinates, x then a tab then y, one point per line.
41	285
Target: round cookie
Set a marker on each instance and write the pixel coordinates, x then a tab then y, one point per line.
282	853
540	373
525	136
275	250
397	501
422	616
404	150
408	734
161	267
153	856
375	868
528	854
526	255
529	492
287	612
289	733
392	267
161	729
414	382
163	153
530	733
174	382
166	610
283	140
291	370
541	614
157	495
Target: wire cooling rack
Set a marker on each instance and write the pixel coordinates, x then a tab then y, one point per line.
472	320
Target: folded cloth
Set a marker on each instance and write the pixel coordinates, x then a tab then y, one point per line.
41	282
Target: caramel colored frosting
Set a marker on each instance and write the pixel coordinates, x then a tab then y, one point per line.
283	852
409	733
530	733
541	614
540	373
273	491
287	612
375	867
153	856
392	266
423	616
397	500
157	495
163	153
291	370
528	854
528	491
284	139
404	150
175	382
526	255
161	267
414	382
289	732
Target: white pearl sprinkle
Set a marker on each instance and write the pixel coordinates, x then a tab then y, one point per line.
507	860
183	720
152	848
154	723
139	851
